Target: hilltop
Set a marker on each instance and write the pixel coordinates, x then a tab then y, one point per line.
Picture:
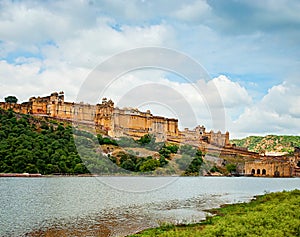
269	143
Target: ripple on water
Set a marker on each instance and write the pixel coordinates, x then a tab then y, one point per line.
134	218
73	206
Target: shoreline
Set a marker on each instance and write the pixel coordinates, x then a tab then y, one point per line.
271	214
38	175
17	175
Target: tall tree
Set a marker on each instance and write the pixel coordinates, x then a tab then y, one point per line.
11	99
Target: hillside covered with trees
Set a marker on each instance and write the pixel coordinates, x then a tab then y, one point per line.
270	143
33	145
43	145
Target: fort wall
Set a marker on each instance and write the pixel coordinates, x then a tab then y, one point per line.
118	122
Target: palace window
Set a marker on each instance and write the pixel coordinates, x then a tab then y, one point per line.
264	172
258	171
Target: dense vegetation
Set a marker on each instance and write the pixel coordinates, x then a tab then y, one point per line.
269	143
275	214
36	146
40	145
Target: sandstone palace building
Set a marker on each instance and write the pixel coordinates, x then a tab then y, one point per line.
117	122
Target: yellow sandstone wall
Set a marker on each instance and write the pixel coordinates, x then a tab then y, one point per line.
269	168
117	122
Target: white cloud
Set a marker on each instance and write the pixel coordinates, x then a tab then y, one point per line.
25	25
232	93
143	86
278	11
67	39
26	80
102	41
277	113
193	12
78	32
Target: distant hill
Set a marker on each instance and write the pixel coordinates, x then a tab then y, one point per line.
269	143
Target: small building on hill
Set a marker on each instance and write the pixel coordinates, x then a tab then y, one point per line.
270	166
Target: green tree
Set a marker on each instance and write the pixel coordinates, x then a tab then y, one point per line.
128	165
106	140
80	169
194	167
165	152
214	169
231	168
163	161
33	145
146	139
149	165
172	148
40	164
11	99
31	168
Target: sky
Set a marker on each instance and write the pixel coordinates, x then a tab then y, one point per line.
250	50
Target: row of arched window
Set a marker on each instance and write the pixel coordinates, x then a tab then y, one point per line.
263	172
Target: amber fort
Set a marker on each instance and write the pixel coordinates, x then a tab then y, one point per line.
116	122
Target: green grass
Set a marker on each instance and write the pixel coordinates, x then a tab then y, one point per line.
274	214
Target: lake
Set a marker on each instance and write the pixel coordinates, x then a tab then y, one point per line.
117	206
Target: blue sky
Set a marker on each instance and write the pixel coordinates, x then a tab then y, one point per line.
249	48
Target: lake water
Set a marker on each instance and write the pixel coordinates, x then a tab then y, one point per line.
117	206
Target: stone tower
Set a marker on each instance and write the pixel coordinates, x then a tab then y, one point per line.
104	114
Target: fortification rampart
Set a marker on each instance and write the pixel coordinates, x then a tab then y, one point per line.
118	122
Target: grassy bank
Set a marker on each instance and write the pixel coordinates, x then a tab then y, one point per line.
274	214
